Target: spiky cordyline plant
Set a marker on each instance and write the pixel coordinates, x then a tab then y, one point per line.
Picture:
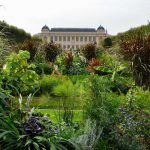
135	46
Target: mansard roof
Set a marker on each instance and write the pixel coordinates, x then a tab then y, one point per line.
73	30
45	27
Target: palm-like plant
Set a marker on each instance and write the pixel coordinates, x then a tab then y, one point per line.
135	46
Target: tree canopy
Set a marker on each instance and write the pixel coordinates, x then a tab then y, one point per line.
12	33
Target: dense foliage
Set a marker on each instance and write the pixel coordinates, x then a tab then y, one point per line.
135	46
4	50
117	116
12	33
89	51
71	63
51	51
107	42
18	74
30	45
97	87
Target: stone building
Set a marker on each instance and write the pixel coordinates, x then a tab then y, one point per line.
73	38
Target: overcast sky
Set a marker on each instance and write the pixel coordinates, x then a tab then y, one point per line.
115	15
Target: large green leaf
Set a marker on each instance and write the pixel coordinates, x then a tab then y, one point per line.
4	133
104	69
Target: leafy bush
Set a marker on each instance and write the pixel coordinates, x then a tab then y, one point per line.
107	42
40	55
68	60
49	82
18	74
65	89
123	119
135	47
139	98
30	45
89	51
89	137
99	100
92	64
58	85
77	78
30	130
51	51
132	129
43	68
36	133
74	64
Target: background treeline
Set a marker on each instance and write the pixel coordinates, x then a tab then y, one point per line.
12	33
145	29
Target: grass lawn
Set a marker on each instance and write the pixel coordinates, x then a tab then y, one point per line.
53	107
49	102
55	115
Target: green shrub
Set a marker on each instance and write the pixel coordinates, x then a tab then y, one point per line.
132	129
107	42
43	68
36	132
100	102
59	86
48	82
89	51
89	135
77	78
71	63
51	51
124	119
30	130
138	98
30	45
65	89
135	47
18	74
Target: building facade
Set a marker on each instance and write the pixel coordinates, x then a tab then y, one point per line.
73	38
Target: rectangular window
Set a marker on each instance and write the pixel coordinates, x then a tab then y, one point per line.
72	46
68	38
77	38
64	38
55	38
68	46
94	39
73	38
60	38
90	39
81	38
85	38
